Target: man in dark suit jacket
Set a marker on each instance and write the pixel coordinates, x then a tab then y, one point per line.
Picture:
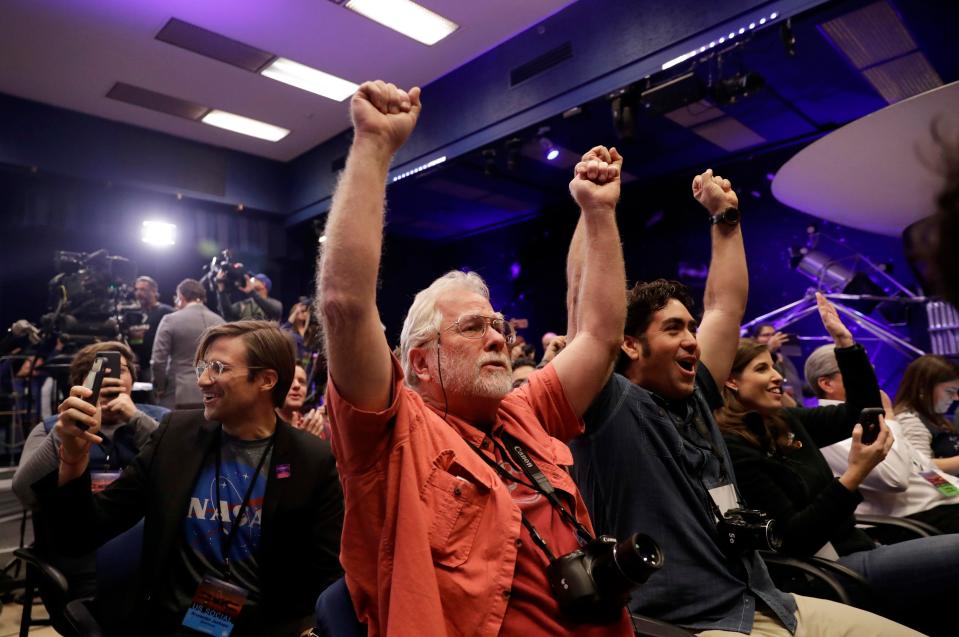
232	480
174	376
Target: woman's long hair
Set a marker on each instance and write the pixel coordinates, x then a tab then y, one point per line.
770	433
915	390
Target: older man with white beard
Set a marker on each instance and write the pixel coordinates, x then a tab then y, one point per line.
445	532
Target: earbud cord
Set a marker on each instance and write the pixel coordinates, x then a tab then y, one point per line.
439	372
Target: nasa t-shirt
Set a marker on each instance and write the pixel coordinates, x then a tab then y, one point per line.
201	549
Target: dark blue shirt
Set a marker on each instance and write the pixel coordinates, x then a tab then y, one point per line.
645	465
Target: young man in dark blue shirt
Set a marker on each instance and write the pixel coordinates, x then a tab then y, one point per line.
652	459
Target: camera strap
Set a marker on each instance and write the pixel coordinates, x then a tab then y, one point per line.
540	483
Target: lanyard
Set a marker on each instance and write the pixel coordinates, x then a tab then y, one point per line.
540	483
235	525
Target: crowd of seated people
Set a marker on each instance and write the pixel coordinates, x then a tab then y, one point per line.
465	485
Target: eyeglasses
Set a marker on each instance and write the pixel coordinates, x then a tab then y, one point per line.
474	326
216	368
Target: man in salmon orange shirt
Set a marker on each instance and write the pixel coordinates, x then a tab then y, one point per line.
445	533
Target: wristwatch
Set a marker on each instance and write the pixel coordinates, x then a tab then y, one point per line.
729	216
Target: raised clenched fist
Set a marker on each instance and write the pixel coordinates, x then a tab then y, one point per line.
714	193
384	113
596	179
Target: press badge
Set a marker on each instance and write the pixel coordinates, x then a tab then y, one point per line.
100	480
944	487
216	605
724	497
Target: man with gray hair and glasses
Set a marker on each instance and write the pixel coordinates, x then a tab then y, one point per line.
457	500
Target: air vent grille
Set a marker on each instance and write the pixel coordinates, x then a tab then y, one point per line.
540	64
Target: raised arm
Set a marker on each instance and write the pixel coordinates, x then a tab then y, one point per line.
727	285
598	309
357	353
574	273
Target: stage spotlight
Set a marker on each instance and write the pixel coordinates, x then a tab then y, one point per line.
158	233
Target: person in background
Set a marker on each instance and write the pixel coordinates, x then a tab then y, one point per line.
312	421
307	335
256	304
780	471
928	388
522	368
147	294
906	483
174	376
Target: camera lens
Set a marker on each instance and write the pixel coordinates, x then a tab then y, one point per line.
638	557
773	539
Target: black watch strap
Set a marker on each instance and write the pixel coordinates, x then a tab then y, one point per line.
729	217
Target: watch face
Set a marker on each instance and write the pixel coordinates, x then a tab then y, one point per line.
731	216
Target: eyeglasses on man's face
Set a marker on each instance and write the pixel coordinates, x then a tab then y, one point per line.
475	325
216	368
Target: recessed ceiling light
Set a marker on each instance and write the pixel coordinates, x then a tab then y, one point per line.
309	79
244	125
406	17
158	233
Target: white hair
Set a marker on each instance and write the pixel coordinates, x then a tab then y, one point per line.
423	320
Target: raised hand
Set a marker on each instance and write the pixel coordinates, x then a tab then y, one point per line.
833	324
385	113
596	179
555	347
776	341
714	193
78	424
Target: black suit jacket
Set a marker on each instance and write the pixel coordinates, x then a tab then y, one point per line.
302	515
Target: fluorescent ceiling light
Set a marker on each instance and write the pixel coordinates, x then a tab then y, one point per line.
244	125
158	233
409	18
309	79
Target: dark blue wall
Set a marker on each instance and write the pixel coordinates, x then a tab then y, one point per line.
70	143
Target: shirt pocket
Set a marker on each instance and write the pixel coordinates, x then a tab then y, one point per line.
456	500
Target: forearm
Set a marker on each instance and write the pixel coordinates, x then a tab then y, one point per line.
949	465
574	273
354	228
727	284
602	294
38	459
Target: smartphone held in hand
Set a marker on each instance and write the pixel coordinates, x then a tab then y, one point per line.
869	419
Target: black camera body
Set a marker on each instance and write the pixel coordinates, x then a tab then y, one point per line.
91	297
235	273
593	584
742	530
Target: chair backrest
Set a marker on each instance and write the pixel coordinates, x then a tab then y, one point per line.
335	616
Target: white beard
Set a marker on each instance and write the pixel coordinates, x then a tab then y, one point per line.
462	378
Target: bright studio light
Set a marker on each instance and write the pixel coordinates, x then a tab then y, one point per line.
158	233
245	125
410	19
309	79
552	154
